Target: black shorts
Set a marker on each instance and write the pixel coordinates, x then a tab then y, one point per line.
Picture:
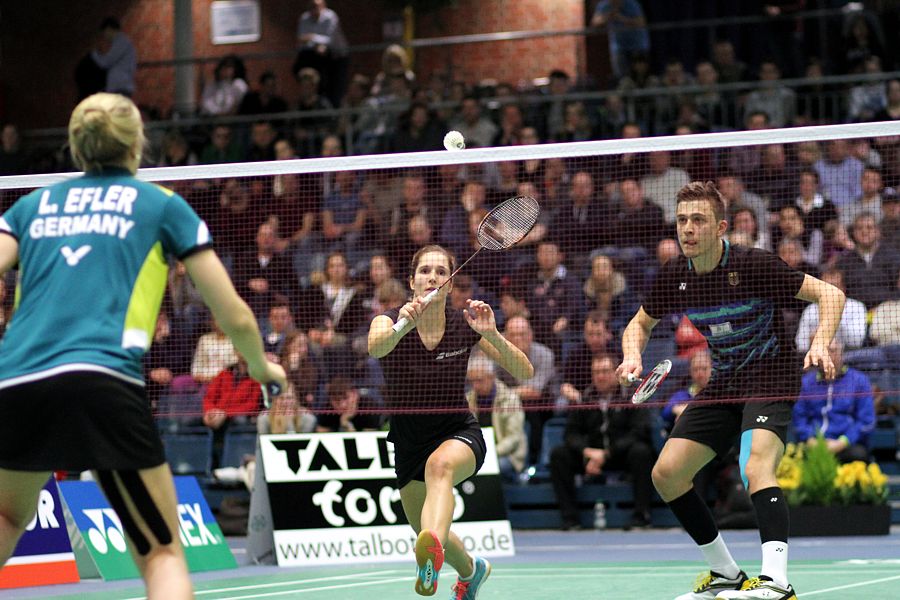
409	464
75	422
769	405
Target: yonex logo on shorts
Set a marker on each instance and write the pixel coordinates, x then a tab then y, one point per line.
761	419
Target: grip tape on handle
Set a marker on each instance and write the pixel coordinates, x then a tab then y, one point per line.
401	324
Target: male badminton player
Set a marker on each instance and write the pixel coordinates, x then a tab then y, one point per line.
425	370
733	295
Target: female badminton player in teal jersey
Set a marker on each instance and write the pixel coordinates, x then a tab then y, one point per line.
92	255
437	440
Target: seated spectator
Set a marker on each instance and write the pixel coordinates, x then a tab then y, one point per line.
277	327
701	371
343	215
167	364
815	209
286	415
735	195
607	290
840	174
262	142
262	275
294	209
232	398
637	222
266	99
885	328
309	131
851	332
869	201
454	230
495	405
837	243
534	392
576	125
394	63
553	298
890	222
891	111
745	160
347	411
13	160
339	302
221	148
744	222
791	226
511	123
478	130
583	216
223	95
842	410
175	151
870	270
867	99
185	302
662	182
418	131
775	178
576	368
606	434
773	98
214	354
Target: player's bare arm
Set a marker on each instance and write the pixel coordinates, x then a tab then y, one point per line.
831	306
9	253
480	317
382	338
634	340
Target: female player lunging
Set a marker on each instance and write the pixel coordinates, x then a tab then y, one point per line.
437	449
92	257
733	296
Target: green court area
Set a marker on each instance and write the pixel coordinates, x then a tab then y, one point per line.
844	579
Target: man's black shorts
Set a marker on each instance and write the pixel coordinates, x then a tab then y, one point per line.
409	464
715	417
75	422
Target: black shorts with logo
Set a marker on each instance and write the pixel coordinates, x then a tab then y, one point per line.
409	463
715	418
75	422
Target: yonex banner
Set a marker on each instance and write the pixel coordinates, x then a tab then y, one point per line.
43	555
334	497
104	537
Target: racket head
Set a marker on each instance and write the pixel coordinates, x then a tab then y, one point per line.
651	382
508	222
269	391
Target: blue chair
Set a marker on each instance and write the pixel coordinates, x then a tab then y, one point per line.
237	444
189	453
552	435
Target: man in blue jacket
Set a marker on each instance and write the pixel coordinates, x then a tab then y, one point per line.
841	409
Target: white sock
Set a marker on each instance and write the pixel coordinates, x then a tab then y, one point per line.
774	562
472	574
719	558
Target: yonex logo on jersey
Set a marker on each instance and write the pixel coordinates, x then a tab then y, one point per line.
773	499
761	419
74	257
451	354
682	286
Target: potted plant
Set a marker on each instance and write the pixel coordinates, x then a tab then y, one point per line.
827	498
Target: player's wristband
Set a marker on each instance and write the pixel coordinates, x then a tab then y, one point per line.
844	439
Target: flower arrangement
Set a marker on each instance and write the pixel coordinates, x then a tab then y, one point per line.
811	475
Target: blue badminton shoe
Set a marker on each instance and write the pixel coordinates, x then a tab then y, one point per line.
467	589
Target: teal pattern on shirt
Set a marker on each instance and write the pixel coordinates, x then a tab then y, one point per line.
93	261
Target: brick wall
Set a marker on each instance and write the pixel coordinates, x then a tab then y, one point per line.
42	41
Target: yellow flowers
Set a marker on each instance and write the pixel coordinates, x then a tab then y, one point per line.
811	475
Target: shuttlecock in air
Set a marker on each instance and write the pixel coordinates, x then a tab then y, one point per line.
454	140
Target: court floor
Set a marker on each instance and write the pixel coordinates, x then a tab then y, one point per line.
611	565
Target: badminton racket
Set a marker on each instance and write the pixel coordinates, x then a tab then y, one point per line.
269	391
500	229
650	383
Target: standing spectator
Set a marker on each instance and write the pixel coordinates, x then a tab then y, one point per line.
662	183
535	391
478	130
117	57
323	47
774	99
495	405
871	269
223	95
840	174
605	434
266	99
851	332
840	408
626	29
13	160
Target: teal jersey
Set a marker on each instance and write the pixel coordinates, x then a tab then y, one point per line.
93	264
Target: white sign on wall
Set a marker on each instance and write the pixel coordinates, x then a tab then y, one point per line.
234	21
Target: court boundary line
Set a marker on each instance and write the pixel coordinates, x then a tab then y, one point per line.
850	585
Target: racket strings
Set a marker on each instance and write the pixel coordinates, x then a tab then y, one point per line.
508	223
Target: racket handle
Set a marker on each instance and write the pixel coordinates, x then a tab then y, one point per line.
632	378
401	324
269	391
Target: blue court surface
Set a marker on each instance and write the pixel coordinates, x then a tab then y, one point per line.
587	565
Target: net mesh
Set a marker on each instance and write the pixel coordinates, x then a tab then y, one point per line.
319	247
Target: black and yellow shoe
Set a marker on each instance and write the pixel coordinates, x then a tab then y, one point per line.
710	583
759	588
